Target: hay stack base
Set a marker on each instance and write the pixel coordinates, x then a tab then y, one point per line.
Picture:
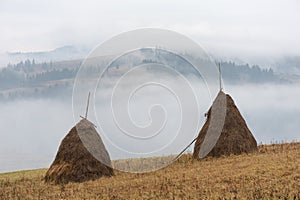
235	137
74	163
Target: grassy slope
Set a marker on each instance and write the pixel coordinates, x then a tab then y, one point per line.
272	173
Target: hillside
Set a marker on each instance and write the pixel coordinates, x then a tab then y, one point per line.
54	79
273	173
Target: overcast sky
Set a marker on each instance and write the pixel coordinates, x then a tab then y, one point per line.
228	28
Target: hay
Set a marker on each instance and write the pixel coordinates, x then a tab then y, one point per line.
233	138
74	161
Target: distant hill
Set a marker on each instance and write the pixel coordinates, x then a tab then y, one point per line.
30	78
58	54
288	65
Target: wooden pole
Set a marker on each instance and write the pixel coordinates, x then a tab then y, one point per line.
184	149
87	106
220	77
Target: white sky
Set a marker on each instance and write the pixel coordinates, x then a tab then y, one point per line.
227	27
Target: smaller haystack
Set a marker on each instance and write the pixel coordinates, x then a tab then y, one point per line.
79	155
225	132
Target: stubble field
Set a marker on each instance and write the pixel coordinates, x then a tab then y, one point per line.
271	173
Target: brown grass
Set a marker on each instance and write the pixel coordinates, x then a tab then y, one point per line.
271	173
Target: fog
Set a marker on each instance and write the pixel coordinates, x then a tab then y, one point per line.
246	30
254	31
31	130
271	111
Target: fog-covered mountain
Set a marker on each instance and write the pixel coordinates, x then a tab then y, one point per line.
288	65
31	78
58	54
285	64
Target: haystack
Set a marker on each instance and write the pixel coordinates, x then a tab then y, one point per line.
225	132
79	155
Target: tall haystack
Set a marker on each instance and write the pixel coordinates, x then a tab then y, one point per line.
79	155
225	131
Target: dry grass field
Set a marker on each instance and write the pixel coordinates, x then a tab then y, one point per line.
272	173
